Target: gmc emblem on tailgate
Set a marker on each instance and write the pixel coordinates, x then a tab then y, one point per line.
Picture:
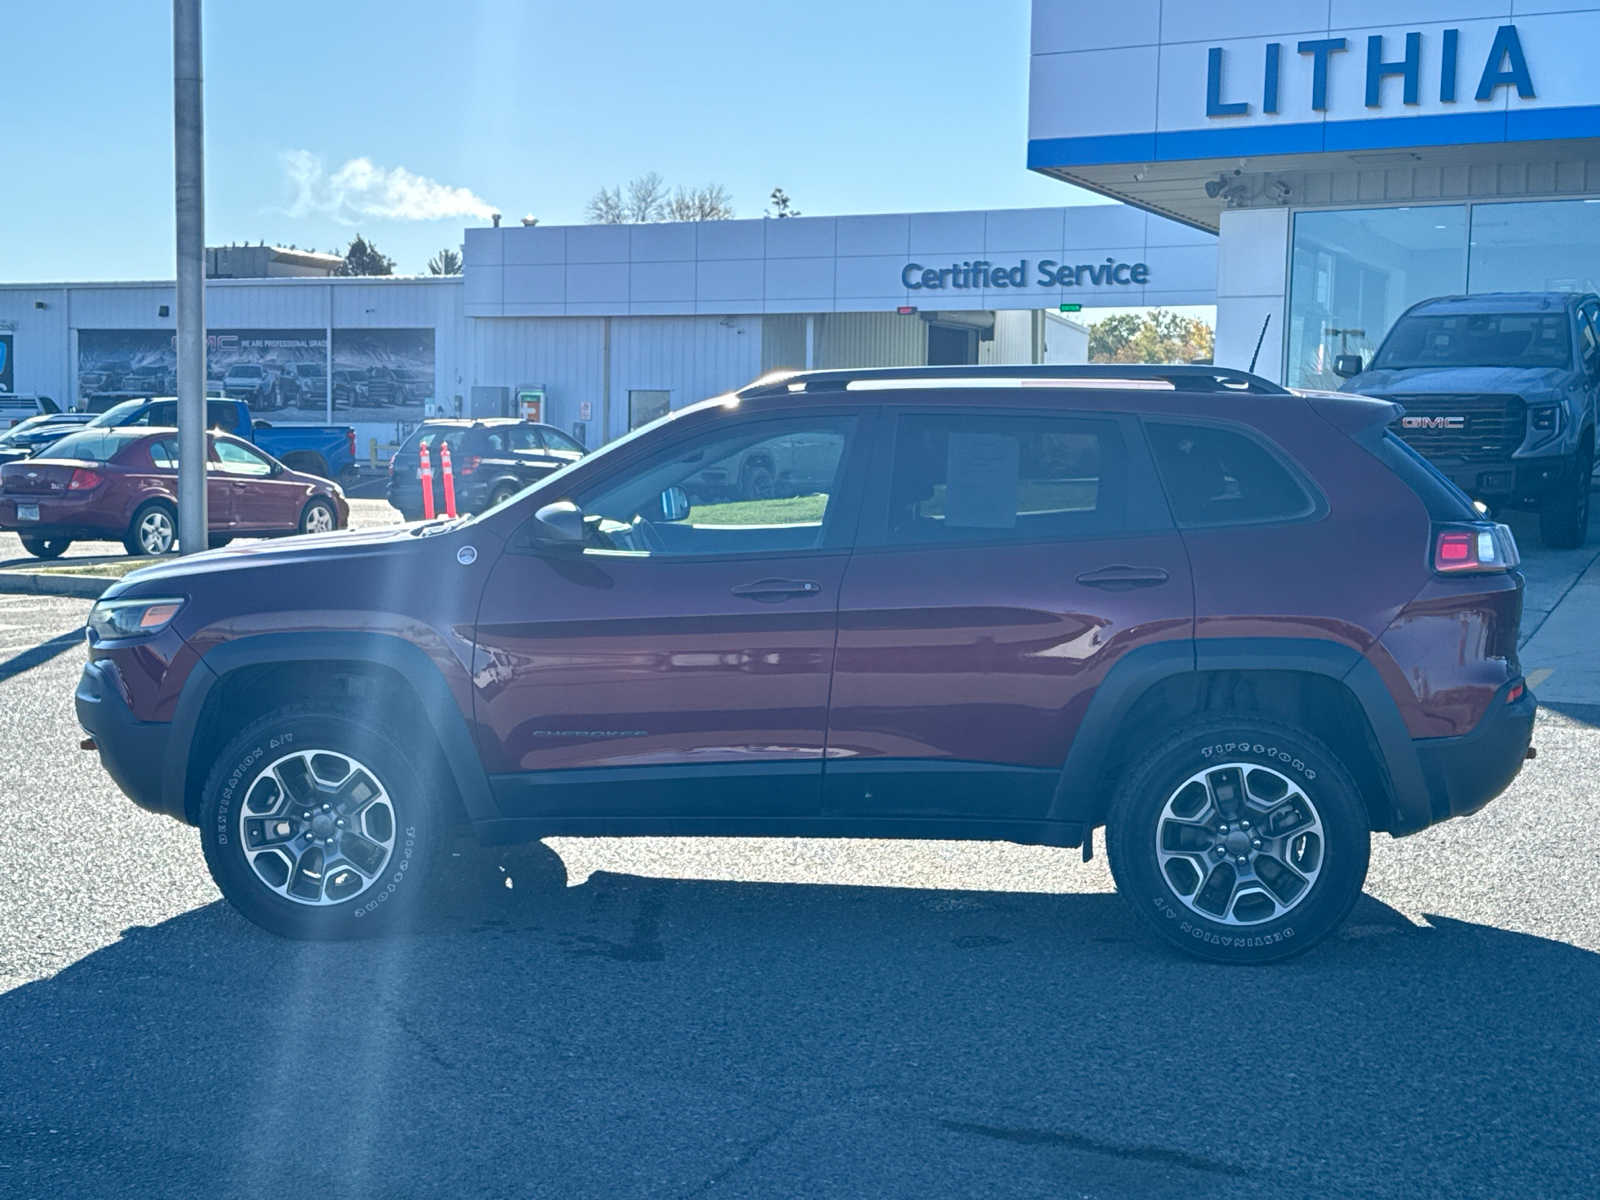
1433	422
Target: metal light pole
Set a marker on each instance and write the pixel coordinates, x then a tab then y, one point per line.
188	130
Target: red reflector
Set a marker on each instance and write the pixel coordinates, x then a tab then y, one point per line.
1515	693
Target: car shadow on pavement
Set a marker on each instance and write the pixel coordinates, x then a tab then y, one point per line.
637	1036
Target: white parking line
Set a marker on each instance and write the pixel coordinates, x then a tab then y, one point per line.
1535	678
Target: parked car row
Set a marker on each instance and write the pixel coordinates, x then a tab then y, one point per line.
120	483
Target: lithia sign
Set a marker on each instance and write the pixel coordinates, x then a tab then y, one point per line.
1047	273
1505	66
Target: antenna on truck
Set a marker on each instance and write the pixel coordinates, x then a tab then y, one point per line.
1259	340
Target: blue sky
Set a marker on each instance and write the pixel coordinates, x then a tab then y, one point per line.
456	107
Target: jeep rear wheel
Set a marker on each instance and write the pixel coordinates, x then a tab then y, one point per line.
1239	840
319	825
1564	519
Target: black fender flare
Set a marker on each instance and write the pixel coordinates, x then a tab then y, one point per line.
444	715
1080	797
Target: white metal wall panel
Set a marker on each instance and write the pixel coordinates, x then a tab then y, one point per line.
871	340
691	357
38	341
1013	338
783	342
563	354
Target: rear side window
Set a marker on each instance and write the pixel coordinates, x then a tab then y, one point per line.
1216	476
963	477
164	453
1443	499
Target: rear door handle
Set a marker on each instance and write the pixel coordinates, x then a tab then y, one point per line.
1122	578
770	591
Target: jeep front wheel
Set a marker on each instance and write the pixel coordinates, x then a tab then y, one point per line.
1239	840
319	825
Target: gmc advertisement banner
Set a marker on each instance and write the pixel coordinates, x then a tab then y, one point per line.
378	374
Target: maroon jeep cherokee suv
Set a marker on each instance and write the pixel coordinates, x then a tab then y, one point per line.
1240	627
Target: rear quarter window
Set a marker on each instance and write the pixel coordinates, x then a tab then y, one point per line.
1443	499
1219	476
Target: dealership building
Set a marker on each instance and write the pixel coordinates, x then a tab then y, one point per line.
1309	167
1352	156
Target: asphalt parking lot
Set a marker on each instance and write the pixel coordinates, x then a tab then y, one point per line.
747	1018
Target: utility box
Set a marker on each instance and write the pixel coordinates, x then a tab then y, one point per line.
489	402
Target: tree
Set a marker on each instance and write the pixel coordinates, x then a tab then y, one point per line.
363	258
642	199
645	199
709	203
1159	337
446	262
782	206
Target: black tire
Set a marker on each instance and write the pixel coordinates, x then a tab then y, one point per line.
406	781
1289	756
317	506
218	540
1564	518
45	547
135	544
502	492
757	482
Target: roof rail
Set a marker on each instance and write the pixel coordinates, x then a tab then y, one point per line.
1180	378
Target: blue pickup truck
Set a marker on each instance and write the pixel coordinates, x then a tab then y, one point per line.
325	450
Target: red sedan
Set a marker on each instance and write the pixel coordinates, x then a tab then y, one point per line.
122	485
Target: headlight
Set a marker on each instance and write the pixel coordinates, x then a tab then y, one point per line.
132	618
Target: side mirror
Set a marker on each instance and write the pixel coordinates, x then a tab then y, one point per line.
674	504
1347	366
559	526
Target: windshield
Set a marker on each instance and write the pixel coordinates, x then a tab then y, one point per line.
244	372
93	445
118	414
1477	340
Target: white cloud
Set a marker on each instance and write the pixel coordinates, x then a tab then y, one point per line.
362	189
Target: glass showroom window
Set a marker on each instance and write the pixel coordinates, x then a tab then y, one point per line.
1354	271
1536	246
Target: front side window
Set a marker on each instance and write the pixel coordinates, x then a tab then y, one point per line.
556	440
981	477
754	488
1216	476
235	458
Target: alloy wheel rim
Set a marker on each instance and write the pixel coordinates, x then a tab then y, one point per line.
319	520
155	532
317	827
1239	843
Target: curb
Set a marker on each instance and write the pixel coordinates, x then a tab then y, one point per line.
40	584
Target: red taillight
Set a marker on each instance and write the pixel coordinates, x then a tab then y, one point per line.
1476	548
1515	693
350	441
83	480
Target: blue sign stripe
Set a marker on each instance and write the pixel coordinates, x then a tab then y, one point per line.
1311	137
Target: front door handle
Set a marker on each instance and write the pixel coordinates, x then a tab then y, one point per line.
1122	578
770	591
